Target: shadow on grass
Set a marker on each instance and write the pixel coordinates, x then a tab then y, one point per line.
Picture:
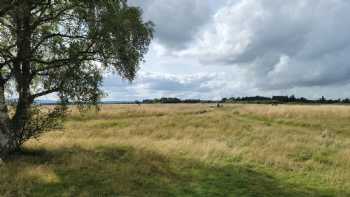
124	171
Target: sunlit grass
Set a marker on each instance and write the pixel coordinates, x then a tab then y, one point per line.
188	150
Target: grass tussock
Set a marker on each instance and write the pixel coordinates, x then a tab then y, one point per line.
188	150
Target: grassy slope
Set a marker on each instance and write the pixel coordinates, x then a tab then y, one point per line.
189	150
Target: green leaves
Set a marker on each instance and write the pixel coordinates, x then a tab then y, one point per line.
73	34
64	47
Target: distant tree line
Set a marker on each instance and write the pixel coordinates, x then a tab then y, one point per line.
251	99
284	100
172	100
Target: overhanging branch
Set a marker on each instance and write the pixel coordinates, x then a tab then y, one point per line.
46	92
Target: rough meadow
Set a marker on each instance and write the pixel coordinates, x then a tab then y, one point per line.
188	150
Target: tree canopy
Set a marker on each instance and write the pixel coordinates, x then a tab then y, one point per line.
63	47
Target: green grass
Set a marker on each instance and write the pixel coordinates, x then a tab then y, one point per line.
188	150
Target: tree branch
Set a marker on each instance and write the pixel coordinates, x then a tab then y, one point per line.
49	36
46	92
7	7
50	19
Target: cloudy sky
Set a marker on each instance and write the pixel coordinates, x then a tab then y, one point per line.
210	49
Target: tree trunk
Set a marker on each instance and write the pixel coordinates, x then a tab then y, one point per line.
4	143
12	130
22	74
5	135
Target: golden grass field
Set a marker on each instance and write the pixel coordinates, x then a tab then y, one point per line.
188	150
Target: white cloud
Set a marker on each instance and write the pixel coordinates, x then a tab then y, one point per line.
200	85
176	21
221	48
283	44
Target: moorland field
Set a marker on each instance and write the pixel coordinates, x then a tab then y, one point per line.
188	150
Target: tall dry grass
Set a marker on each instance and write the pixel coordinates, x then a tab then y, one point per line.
307	145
